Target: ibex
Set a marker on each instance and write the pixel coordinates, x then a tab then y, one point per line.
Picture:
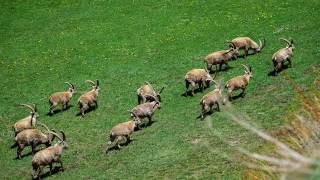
62	98
27	122
49	156
33	138
239	82
221	57
147	93
198	76
247	44
145	110
121	133
209	100
89	99
282	55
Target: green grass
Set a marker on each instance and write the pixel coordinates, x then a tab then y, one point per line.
123	44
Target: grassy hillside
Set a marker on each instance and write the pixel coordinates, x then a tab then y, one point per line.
123	44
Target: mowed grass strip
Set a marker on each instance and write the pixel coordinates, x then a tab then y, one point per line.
123	44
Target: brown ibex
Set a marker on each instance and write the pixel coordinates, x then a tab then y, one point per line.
198	76
33	138
221	57
145	110
283	55
147	93
239	82
62	98
49	156
121	133
27	122
89	99
211	99
247	44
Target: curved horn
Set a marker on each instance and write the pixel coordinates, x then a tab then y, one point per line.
227	51
161	90
219	85
63	135
57	135
291	40
45	126
91	82
70	85
28	106
35	108
246	67
287	41
215	82
262	45
232	44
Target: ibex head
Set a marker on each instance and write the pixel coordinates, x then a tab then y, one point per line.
233	50
157	105
50	135
289	42
62	139
95	86
34	112
261	45
247	71
209	79
72	88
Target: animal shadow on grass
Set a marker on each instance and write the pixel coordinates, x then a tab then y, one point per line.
91	108
242	56
273	72
223	69
25	155
116	148
196	91
55	170
235	97
207	114
57	111
30	153
144	125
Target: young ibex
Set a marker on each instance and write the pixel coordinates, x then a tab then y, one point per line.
199	76
145	110
239	82
89	99
211	99
221	57
62	98
121	133
27	122
247	44
147	93
33	138
49	156
282	55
